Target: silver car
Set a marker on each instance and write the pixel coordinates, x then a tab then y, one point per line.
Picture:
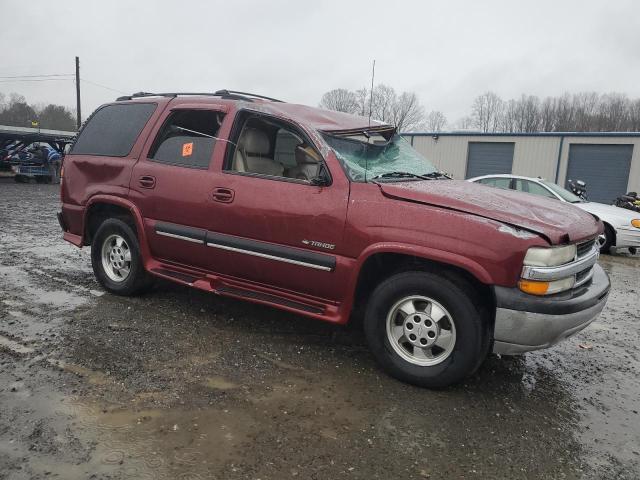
621	226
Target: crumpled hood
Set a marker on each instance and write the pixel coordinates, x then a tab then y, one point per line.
558	221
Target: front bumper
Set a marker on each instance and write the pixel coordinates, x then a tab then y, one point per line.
627	237
526	322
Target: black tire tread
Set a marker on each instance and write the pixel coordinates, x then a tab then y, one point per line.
139	279
464	304
610	235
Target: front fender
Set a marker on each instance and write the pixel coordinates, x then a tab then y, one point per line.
426	253
474	268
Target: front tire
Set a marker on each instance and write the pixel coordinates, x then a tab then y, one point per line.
116	260
609	239
425	329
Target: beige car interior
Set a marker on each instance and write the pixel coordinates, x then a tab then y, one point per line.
252	154
257	147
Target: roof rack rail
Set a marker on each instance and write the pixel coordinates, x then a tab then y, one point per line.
225	94
246	94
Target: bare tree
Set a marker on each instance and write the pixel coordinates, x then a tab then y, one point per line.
487	111
579	112
564	114
547	115
341	100
403	111
508	119
382	101
613	112
527	114
586	110
435	121
407	113
362	98
464	123
634	115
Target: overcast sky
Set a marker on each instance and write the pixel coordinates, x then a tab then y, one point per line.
447	52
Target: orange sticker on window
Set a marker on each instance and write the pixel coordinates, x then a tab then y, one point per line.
187	149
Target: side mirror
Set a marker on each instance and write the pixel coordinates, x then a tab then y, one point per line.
322	179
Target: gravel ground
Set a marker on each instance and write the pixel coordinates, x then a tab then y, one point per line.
180	384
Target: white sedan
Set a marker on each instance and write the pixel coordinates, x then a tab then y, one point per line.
621	226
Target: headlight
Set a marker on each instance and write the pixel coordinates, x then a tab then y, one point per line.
636	222
550	257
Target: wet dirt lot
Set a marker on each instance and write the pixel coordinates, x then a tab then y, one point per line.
180	384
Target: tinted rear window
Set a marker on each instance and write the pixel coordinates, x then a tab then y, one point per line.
112	130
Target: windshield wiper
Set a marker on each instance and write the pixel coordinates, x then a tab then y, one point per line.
437	175
400	175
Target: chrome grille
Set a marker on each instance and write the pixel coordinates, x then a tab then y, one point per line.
585	247
582	275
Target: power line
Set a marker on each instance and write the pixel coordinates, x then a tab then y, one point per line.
20	80
39	76
103	86
36	80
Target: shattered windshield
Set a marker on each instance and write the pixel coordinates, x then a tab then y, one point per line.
370	156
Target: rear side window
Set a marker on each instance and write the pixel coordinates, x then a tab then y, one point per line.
534	188
499	182
187	138
112	130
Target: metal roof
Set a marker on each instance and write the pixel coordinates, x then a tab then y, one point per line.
22	133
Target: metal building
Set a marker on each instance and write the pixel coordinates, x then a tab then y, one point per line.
608	162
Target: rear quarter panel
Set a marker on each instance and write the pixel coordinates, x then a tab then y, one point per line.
86	176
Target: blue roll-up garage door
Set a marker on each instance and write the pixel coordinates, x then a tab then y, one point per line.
486	158
605	168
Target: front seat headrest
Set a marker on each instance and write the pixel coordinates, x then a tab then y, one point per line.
255	142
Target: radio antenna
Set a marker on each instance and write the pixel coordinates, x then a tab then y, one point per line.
373	75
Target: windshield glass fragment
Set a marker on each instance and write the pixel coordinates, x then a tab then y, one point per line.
382	155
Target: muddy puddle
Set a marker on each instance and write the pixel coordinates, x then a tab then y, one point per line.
75	439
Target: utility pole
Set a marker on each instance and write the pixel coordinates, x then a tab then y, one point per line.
78	112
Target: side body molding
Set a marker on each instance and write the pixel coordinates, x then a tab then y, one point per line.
276	252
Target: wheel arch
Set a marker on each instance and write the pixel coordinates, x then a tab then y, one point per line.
613	230
101	207
379	263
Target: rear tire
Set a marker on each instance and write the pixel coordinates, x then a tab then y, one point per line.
116	259
443	341
609	239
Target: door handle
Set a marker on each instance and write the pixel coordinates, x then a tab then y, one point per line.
147	181
224	195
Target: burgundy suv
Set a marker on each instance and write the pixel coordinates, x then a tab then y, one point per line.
331	216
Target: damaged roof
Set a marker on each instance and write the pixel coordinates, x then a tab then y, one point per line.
323	120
